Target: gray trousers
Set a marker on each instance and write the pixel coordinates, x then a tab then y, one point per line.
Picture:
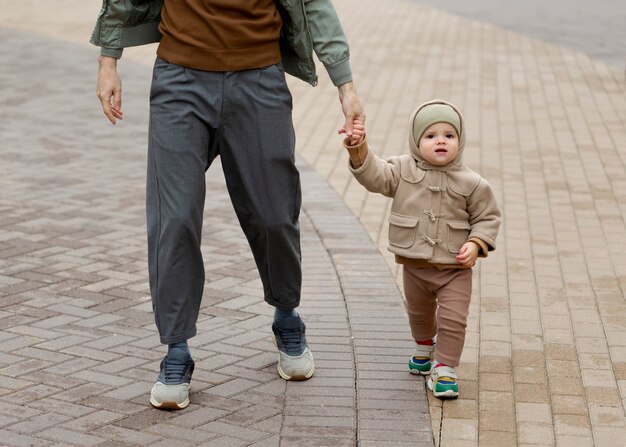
245	117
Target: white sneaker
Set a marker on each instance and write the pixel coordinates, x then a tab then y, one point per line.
171	390
442	382
295	360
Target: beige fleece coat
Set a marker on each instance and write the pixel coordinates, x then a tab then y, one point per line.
435	209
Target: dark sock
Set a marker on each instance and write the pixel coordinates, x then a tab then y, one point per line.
279	314
180	345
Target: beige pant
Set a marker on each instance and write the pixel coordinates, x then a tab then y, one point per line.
437	302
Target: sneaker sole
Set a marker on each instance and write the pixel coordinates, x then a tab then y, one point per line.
169	405
297	377
417	371
449	394
284	375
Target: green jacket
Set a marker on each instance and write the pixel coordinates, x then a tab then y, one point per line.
308	25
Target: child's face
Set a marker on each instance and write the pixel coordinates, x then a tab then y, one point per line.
439	145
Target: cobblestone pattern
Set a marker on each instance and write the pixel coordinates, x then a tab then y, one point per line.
545	352
78	346
594	28
544	357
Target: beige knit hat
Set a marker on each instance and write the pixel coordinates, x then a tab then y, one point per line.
435	113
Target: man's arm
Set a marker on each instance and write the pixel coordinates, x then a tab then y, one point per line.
109	88
121	24
331	47
352	110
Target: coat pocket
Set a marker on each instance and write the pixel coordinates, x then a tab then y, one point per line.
402	230
458	232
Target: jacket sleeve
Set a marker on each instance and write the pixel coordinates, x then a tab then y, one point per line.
378	175
357	153
329	41
485	215
126	23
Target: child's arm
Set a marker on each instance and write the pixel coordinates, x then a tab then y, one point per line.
355	144
377	175
485	217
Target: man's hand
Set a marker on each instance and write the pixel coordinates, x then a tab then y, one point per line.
109	88
352	110
468	254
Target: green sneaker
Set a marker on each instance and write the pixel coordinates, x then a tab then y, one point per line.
442	382
421	362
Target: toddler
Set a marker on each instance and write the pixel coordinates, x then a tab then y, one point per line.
443	217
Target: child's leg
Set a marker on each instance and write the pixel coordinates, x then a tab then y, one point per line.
453	299
421	303
422	308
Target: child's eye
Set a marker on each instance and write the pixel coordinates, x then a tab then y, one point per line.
450	135
430	136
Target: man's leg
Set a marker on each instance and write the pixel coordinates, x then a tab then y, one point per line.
178	156
257	148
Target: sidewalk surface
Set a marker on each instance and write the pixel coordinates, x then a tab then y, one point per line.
545	355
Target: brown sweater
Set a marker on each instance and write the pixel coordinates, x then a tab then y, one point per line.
220	35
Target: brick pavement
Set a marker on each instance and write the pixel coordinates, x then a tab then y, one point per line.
594	28
78	347
544	362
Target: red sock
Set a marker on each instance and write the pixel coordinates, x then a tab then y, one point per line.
428	342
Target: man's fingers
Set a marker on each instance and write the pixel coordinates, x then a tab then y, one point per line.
106	108
109	115
109	89
348	126
117	100
111	105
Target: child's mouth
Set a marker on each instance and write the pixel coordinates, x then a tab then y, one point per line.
441	151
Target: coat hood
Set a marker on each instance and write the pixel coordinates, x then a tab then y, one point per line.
413	143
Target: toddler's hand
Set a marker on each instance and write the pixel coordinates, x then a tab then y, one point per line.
358	132
468	254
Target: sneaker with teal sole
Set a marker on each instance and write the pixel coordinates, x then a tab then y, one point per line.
442	382
421	362
171	390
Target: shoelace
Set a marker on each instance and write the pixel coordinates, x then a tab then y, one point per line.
174	373
290	341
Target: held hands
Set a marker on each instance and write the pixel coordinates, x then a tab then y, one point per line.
358	132
109	89
468	254
353	112
356	150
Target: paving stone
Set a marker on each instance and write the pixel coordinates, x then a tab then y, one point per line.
547	307
19	440
233	431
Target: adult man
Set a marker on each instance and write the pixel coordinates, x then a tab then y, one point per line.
219	89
